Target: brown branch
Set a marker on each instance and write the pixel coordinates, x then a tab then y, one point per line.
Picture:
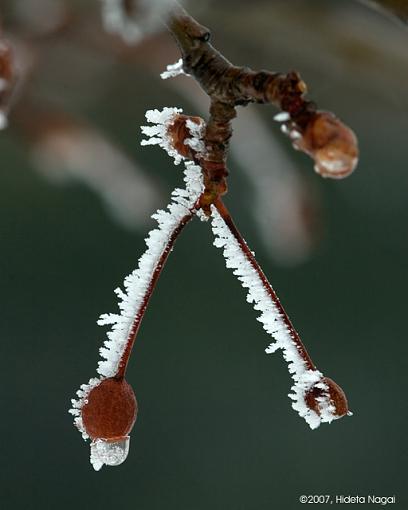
321	135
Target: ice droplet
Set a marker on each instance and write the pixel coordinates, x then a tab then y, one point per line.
109	452
334	164
331	144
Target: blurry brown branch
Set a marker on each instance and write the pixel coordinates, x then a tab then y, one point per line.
396	8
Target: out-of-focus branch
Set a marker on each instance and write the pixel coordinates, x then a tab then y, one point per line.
396	8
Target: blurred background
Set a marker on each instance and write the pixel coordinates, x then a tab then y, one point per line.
215	427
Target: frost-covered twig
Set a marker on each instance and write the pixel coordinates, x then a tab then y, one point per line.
316	398
140	284
93	411
173	70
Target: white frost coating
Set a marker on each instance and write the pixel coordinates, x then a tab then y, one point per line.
197	134
158	133
272	321
173	70
137	283
111	453
78	403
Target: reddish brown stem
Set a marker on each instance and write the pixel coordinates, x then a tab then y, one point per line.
221	208
120	374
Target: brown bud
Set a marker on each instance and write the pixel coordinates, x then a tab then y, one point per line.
179	133
110	410
331	144
336	396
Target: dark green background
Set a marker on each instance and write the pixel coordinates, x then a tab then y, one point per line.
215	428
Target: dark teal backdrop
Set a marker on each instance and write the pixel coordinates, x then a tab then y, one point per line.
215	428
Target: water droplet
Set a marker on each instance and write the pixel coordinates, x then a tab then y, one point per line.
109	452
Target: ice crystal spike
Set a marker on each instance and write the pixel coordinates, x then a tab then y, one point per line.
173	70
158	133
325	396
109	452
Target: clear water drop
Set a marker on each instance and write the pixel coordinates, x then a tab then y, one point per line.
109	452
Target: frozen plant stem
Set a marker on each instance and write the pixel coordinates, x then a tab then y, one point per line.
105	409
225	215
124	360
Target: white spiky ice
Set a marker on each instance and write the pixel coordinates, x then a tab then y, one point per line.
173	70
137	283
158	133
273	322
197	133
78	403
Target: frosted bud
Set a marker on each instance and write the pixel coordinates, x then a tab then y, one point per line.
327	394
109	411
185	133
331	144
